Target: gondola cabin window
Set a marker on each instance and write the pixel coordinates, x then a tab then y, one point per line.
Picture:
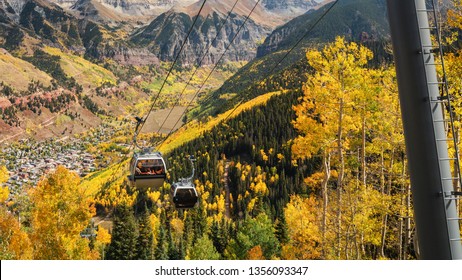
149	166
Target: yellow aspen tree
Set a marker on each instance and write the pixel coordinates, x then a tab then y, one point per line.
256	253
4	192
103	238
455	14
60	212
325	116
14	243
301	216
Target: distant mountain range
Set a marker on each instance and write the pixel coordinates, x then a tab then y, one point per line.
166	33
34	23
143	10
358	20
100	29
363	21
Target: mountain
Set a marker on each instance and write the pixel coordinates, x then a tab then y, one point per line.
111	11
292	8
48	61
164	35
122	11
119	11
363	21
15	71
358	20
39	22
260	15
172	19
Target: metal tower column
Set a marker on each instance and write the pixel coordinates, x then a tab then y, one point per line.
424	130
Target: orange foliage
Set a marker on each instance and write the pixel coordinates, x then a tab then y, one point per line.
14	243
255	253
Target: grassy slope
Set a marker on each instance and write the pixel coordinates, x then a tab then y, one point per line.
17	73
83	71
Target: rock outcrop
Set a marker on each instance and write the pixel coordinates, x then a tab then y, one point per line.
164	36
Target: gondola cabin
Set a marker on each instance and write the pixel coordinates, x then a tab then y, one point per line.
147	171
184	194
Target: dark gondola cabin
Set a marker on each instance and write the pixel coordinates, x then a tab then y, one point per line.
147	171
184	194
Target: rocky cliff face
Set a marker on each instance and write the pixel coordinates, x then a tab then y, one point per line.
289	4
50	25
166	33
120	10
128	55
357	20
13	6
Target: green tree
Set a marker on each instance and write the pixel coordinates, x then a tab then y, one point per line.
203	249
145	237
253	232
124	235
161	251
281	230
220	235
173	250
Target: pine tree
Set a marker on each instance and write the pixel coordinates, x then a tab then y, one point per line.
145	237
124	235
200	222
173	253
219	235
255	231
161	251
281	230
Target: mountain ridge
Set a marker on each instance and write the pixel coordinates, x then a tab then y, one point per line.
165	34
252	79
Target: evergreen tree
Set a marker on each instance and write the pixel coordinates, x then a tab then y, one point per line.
181	250
200	222
161	251
173	253
219	235
281	230
124	235
145	238
188	229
